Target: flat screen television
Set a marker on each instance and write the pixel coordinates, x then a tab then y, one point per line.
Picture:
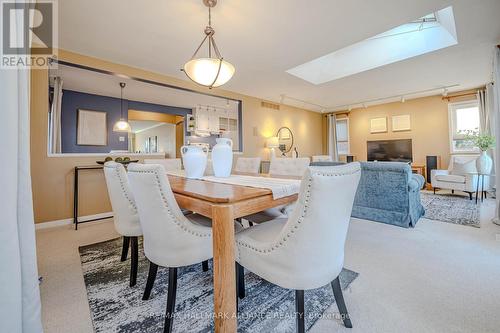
390	150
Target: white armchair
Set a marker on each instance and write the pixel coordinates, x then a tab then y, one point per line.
460	175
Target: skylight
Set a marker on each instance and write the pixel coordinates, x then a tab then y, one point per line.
432	32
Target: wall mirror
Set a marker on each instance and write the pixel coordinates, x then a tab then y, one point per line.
285	139
162	118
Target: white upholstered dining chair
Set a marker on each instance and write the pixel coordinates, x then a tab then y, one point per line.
125	216
170	164
287	167
305	251
171	239
322	158
247	165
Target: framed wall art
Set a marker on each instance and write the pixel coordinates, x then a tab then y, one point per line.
401	123
92	128
378	125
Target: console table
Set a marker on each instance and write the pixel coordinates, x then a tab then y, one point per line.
75	194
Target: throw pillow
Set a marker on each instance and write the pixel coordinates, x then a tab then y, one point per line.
463	168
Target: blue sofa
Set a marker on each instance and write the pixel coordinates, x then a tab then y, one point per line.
388	192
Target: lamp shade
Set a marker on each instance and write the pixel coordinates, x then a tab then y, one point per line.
121	126
209	72
272	142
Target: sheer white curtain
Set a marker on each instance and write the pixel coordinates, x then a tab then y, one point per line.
484	111
55	117
332	137
495	120
19	292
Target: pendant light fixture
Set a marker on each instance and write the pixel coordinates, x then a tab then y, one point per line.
211	71
121	125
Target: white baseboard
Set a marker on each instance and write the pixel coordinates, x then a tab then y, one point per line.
58	223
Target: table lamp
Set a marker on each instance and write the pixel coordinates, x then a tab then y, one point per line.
272	143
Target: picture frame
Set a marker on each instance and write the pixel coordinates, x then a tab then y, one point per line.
378	125
401	123
91	128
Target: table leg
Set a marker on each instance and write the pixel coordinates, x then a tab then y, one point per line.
477	186
482	187
75	199
224	269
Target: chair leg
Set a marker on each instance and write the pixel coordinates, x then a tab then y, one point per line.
240	280
299	311
434	190
452	191
172	290
153	269
237	279
339	298
126	244
135	260
204	265
470	195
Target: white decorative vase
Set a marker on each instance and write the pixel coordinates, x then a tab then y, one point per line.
484	163
222	157
194	159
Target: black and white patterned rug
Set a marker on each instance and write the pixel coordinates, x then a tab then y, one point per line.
451	208
116	307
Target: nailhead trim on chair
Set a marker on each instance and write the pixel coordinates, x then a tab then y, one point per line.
124	188
167	206
282	242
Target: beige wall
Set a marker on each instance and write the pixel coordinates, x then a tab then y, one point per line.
52	177
429	127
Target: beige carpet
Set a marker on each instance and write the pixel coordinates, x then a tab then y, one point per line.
438	277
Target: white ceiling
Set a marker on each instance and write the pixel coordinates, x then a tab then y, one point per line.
264	38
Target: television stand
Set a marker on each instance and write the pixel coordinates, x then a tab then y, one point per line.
420	169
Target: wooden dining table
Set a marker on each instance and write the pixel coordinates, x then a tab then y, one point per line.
223	203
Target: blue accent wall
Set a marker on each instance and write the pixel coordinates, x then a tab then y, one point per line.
71	102
74	100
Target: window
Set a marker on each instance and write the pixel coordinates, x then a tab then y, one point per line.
342	126
429	33
463	116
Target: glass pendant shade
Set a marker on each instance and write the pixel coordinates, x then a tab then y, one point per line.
121	126
209	72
